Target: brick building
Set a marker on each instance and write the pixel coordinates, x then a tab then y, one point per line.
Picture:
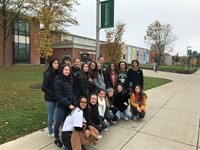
20	47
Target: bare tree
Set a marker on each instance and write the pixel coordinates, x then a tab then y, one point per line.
160	36
114	41
10	11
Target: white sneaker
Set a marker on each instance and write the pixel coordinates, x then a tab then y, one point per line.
51	135
114	122
135	118
106	129
125	118
99	136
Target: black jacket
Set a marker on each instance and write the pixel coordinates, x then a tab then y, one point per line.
64	92
81	85
134	78
48	85
95	117
119	101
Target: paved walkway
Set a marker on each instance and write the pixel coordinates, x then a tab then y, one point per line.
172	121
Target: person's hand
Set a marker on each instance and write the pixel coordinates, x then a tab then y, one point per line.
71	107
112	106
100	126
106	121
90	80
87	133
138	108
125	103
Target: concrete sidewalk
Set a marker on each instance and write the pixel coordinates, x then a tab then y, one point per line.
172	121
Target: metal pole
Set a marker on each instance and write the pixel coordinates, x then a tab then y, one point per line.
186	58
72	47
97	30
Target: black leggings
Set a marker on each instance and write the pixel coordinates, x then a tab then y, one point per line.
66	139
135	112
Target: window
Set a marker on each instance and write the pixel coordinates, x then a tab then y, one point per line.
21	42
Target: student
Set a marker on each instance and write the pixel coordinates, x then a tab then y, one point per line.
101	61
110	105
96	119
65	97
74	70
99	81
82	81
121	102
91	74
138	102
134	75
76	123
66	59
48	89
103	109
76	66
111	76
122	72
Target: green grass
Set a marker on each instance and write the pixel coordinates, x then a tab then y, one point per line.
23	110
150	82
175	69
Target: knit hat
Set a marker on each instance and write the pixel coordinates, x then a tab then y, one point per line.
66	56
109	90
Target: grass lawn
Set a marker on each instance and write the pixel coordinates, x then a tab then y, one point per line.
169	68
23	110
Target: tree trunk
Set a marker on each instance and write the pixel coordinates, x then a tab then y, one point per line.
4	35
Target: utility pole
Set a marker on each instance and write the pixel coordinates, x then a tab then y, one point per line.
97	30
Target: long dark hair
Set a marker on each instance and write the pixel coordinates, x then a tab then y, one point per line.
90	98
86	112
93	73
109	68
110	99
50	68
122	92
60	71
141	93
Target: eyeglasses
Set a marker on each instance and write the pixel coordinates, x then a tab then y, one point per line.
83	102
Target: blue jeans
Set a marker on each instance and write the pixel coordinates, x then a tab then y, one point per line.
51	109
126	113
59	117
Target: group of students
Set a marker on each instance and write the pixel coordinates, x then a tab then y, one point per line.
85	99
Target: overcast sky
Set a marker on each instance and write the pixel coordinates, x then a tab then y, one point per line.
183	15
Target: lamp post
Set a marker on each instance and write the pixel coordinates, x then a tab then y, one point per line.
186	56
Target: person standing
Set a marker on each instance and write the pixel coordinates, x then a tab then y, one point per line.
122	72
82	85
101	61
98	80
65	97
134	75
48	89
76	66
111	76
66	59
155	67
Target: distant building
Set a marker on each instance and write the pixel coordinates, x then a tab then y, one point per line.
131	52
21	49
